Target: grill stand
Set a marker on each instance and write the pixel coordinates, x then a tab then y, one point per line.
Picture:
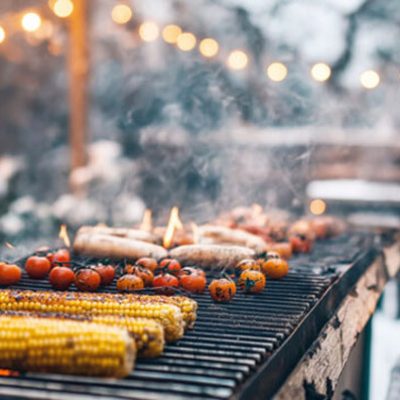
317	374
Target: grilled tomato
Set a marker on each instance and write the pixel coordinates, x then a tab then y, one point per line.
10	274
245	265
148	263
171	266
222	290
106	272
145	274
165	283
61	256
129	283
61	278
87	280
192	280
275	268
251	281
37	267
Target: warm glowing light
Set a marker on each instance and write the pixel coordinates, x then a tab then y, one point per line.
195	231
121	14
2	34
9	245
237	60
317	206
31	21
208	47
64	235
147	221
277	71
321	72
149	31
186	41
370	79
173	223
8	372
63	8
170	33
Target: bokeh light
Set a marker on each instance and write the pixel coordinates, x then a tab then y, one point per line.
121	14
317	207
149	31
370	79
2	34
321	72
31	21
63	8
237	60
277	71
186	41
209	47
170	33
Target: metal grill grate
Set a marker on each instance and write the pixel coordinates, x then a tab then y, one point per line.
237	350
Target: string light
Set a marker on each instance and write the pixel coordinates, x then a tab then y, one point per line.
170	33
31	21
277	71
237	60
186	41
370	79
63	8
149	31
208	47
2	34
121	14
321	72
317	207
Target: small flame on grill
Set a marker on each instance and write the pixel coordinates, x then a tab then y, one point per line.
64	235
8	372
9	245
195	230
147	222
173	224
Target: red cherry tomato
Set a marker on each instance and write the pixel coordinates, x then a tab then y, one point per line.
222	290
10	274
148	263
171	266
165	283
37	267
191	271
61	278
87	280
129	283
62	257
195	282
106	272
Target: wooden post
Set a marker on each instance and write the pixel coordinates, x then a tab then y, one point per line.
78	66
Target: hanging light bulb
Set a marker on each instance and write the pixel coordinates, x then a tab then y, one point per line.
237	60
121	14
208	47
170	33
149	31
31	21
321	72
370	79
277	71
186	41
63	8
2	34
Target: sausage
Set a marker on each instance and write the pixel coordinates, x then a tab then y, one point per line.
105	246
211	234
211	255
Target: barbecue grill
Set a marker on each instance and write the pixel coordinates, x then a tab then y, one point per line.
242	350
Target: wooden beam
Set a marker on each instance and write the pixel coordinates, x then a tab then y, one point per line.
318	372
78	66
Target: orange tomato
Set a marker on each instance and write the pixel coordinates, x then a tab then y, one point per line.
194	283
145	274
171	266
148	263
37	267
61	278
251	281
222	290
165	283
129	283
246	264
87	280
10	274
106	272
275	268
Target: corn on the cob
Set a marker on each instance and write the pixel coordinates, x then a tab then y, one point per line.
169	315
70	347
147	333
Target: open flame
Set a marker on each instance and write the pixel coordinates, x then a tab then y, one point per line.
64	235
147	222
8	372
9	245
173	224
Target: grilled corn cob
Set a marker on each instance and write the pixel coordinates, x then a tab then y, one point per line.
70	347
147	333
95	304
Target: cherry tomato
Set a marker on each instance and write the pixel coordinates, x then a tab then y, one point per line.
165	283
148	263
61	256
87	280
37	267
284	249
10	274
222	290
245	265
145	274
191	271
106	272
300	243
61	278
275	268
195	283
171	266
129	283
251	281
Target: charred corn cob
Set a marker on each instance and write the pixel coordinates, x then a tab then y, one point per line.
95	304
147	333
70	347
